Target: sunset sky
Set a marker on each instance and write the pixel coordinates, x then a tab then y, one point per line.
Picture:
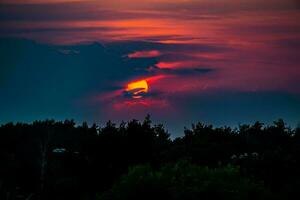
224	62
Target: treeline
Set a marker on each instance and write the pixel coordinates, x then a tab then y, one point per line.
49	160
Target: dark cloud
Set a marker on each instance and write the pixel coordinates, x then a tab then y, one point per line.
33	67
181	72
60	11
63	30
199	8
55	76
82	11
291	43
132	46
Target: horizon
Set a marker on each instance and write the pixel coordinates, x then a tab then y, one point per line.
173	133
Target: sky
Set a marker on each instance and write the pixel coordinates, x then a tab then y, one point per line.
225	62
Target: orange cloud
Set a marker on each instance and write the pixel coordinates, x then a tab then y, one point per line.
145	54
178	65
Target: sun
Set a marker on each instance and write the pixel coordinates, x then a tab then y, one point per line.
137	88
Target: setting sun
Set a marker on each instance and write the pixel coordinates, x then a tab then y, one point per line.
137	88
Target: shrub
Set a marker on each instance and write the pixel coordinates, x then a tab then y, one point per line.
184	181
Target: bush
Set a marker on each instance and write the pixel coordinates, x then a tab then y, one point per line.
184	181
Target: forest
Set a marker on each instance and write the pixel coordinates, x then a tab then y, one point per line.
61	160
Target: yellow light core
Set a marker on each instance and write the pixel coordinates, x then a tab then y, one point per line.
137	87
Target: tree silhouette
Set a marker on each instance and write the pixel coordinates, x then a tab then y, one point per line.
62	160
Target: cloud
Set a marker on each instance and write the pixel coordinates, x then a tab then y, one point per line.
178	64
60	12
291	43
145	54
180	71
79	10
155	21
226	6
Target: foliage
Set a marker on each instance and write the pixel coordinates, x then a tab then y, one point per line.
184	181
63	160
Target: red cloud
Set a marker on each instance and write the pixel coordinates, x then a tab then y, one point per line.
178	64
145	54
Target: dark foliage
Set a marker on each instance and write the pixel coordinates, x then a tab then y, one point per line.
185	181
61	160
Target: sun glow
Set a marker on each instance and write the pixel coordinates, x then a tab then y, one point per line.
137	89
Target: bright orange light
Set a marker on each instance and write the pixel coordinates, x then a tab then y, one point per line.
137	88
